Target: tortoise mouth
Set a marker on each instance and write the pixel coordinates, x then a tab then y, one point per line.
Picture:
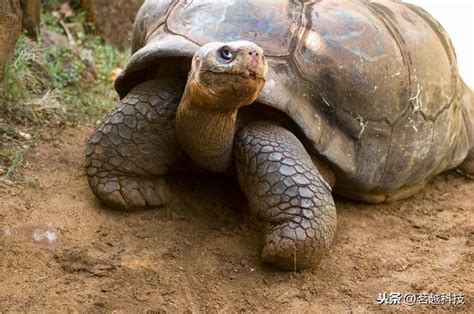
251	74
245	74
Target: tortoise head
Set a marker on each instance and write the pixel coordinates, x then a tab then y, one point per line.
223	78
227	76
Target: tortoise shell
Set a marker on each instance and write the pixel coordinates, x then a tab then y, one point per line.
373	85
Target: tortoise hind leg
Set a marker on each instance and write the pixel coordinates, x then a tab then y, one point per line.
467	167
284	188
134	146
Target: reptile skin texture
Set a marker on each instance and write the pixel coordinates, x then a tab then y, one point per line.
134	146
285	189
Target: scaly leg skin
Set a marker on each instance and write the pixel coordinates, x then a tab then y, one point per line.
134	146
284	188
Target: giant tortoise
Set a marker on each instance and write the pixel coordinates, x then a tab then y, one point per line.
298	99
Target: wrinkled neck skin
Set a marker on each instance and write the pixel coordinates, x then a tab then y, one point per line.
205	130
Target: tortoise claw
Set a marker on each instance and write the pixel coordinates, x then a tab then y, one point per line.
128	193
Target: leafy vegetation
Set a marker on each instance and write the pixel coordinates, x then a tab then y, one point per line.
51	85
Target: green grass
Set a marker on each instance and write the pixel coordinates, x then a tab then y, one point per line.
15	158
48	87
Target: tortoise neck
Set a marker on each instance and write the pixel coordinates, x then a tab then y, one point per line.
205	135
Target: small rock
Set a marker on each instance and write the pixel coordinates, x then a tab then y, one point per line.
54	39
49	235
303	296
442	237
113	18
25	135
99	270
186	242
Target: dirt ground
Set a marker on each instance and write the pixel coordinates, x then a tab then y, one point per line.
61	250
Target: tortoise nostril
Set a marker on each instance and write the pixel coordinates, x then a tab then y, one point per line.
253	54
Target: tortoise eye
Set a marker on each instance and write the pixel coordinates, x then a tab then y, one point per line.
226	53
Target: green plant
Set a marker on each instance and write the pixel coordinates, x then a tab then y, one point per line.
106	57
13	159
50	22
64	66
18	70
52	87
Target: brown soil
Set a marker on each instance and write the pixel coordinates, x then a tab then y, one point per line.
61	250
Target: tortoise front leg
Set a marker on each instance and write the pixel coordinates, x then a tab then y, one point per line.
134	146
284	188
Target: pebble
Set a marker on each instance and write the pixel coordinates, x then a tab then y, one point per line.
25	135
